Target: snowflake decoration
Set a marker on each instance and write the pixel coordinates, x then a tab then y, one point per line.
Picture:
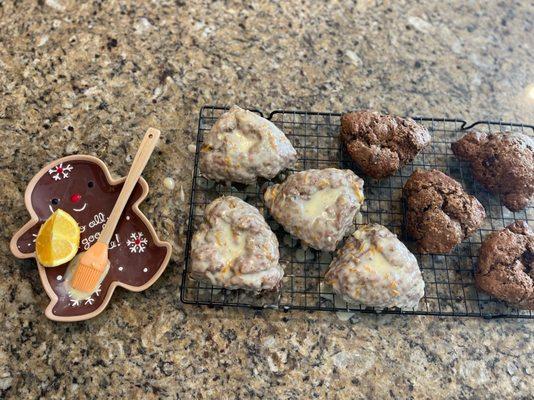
89	301
60	172
137	242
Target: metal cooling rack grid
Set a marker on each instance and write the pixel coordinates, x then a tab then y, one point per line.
449	287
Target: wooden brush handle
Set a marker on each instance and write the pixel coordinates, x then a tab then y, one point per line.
140	160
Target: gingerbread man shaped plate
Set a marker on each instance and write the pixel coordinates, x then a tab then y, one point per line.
82	186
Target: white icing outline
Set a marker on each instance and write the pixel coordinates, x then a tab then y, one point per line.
80	209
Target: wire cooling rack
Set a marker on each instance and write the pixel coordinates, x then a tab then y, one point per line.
449	279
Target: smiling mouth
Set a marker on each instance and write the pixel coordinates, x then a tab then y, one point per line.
74	209
80	209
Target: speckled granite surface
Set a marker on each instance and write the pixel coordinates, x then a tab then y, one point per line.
89	78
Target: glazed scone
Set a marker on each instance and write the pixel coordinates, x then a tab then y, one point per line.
375	269
318	205
242	146
381	144
503	163
235	248
439	213
506	265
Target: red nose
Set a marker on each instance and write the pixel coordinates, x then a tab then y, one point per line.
75	198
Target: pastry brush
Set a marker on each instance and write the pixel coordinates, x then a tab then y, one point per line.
92	265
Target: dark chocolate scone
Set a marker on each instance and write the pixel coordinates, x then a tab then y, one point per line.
381	144
503	163
506	265
439	213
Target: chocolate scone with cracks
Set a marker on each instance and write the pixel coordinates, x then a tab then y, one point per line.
381	144
439	213
506	265
242	146
375	269
503	163
318	205
235	248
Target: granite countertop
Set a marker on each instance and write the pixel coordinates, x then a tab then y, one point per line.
90	78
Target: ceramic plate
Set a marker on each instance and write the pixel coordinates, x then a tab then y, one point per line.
82	186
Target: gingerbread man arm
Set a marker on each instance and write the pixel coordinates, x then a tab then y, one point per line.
22	244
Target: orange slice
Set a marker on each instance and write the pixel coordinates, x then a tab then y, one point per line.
58	240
